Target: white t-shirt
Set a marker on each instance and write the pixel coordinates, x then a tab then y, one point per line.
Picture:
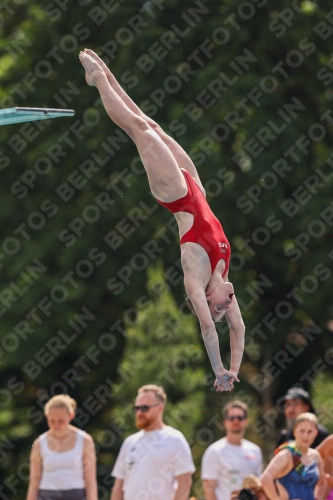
228	464
149	462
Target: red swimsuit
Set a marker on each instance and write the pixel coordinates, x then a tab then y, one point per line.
206	230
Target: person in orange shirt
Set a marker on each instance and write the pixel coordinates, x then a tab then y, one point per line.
326	451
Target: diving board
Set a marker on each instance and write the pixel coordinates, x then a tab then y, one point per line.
20	115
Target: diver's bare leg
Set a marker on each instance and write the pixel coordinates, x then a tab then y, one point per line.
165	179
181	157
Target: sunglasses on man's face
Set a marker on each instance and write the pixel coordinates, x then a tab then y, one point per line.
236	417
144	408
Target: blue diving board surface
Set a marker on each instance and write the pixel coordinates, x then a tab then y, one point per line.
20	115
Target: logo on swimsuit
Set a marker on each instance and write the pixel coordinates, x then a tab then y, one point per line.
222	247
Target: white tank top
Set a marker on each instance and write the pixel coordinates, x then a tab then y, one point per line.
62	470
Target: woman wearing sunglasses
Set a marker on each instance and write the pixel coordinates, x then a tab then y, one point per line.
175	183
63	459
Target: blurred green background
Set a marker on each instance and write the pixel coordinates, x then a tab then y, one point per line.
86	306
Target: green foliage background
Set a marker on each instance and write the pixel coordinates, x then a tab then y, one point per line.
148	331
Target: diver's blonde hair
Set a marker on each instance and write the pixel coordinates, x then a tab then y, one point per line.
191	308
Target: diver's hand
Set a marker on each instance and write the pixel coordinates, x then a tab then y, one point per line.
225	380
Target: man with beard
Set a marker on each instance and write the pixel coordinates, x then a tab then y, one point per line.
227	462
295	402
156	462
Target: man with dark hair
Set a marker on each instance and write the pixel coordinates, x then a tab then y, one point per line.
227	462
295	402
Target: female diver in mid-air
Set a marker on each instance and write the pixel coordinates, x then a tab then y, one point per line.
175	183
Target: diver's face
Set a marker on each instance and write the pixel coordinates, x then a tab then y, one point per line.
220	300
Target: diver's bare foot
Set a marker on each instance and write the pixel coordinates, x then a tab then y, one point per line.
99	61
93	70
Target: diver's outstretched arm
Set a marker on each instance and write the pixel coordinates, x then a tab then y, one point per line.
224	378
237	334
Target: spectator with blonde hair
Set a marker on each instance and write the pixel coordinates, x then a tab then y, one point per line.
63	459
156	462
296	471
